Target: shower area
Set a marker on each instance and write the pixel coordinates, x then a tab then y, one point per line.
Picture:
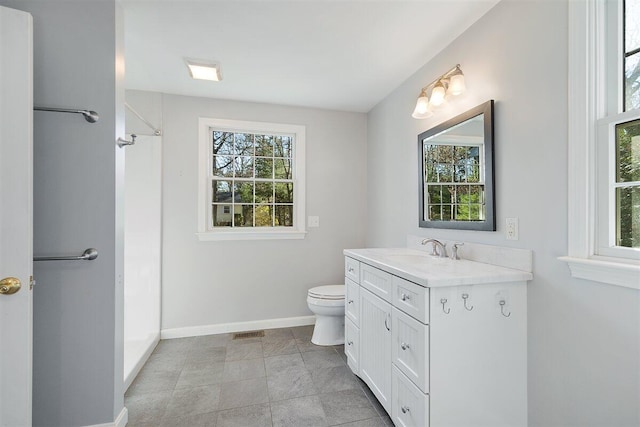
143	232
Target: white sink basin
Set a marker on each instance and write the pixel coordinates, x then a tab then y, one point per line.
417	259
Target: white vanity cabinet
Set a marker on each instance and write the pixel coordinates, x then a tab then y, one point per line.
451	354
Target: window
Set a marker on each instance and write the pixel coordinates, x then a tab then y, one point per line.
251	180
604	141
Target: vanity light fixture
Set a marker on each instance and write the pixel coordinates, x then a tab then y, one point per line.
204	70
450	83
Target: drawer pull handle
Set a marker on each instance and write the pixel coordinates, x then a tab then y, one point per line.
404	346
386	319
350	343
405	297
404	409
350	269
350	301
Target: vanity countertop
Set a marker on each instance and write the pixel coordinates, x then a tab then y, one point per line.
430	271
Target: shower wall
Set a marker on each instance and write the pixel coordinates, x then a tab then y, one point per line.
142	245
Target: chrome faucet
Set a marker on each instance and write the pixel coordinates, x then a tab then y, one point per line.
454	250
438	249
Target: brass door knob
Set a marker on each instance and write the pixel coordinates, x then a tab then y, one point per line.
9	285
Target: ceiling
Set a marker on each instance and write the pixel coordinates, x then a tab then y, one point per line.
339	55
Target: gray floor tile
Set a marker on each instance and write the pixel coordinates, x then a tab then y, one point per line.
176	345
303	331
327	358
198	377
215	354
238	370
300	412
199	420
305	344
335	379
147	408
296	382
149	381
165	362
278	364
347	406
372	399
281	333
244	350
248	416
193	401
279	346
243	393
371	422
207	341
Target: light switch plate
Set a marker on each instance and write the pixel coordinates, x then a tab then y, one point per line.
313	221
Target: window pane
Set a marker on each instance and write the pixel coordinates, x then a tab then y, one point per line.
243	192
282	146
282	168
628	151
435	212
244	144
221	215
632	82
264	145
222	166
628	217
244	167
264	192
284	192
264	168
433	191
264	216
632	25
284	216
222	142
221	191
243	215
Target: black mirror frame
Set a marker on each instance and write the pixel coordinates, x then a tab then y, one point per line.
489	224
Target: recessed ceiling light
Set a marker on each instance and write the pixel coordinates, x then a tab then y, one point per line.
203	70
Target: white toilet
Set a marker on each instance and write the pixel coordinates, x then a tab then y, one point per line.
327	303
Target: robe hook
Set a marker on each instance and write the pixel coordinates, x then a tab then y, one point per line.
465	297
443	301
502	304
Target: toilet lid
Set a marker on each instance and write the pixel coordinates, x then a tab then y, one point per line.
327	292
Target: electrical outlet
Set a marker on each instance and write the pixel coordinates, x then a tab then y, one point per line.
313	221
512	228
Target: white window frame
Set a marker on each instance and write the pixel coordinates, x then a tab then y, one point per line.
589	169
205	157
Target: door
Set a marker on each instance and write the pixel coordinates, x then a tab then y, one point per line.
16	219
375	346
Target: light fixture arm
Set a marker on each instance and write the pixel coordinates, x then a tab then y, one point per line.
444	79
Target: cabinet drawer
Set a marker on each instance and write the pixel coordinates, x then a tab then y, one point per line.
352	345
352	269
352	301
410	406
410	348
377	281
411	298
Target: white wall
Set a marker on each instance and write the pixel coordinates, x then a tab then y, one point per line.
77	360
213	283
583	337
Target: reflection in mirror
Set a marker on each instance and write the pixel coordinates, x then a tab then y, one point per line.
456	172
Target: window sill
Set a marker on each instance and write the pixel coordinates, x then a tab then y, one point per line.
250	235
605	270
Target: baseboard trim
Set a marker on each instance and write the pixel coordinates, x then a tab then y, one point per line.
121	421
224	328
140	363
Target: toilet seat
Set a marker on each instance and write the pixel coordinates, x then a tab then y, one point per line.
327	292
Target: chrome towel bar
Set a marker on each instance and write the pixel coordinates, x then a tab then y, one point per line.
90	116
88	255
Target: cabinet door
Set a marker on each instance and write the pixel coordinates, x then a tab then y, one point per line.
375	346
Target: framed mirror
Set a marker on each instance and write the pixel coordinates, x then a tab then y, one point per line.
456	172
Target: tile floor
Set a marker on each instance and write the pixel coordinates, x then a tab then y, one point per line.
281	379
